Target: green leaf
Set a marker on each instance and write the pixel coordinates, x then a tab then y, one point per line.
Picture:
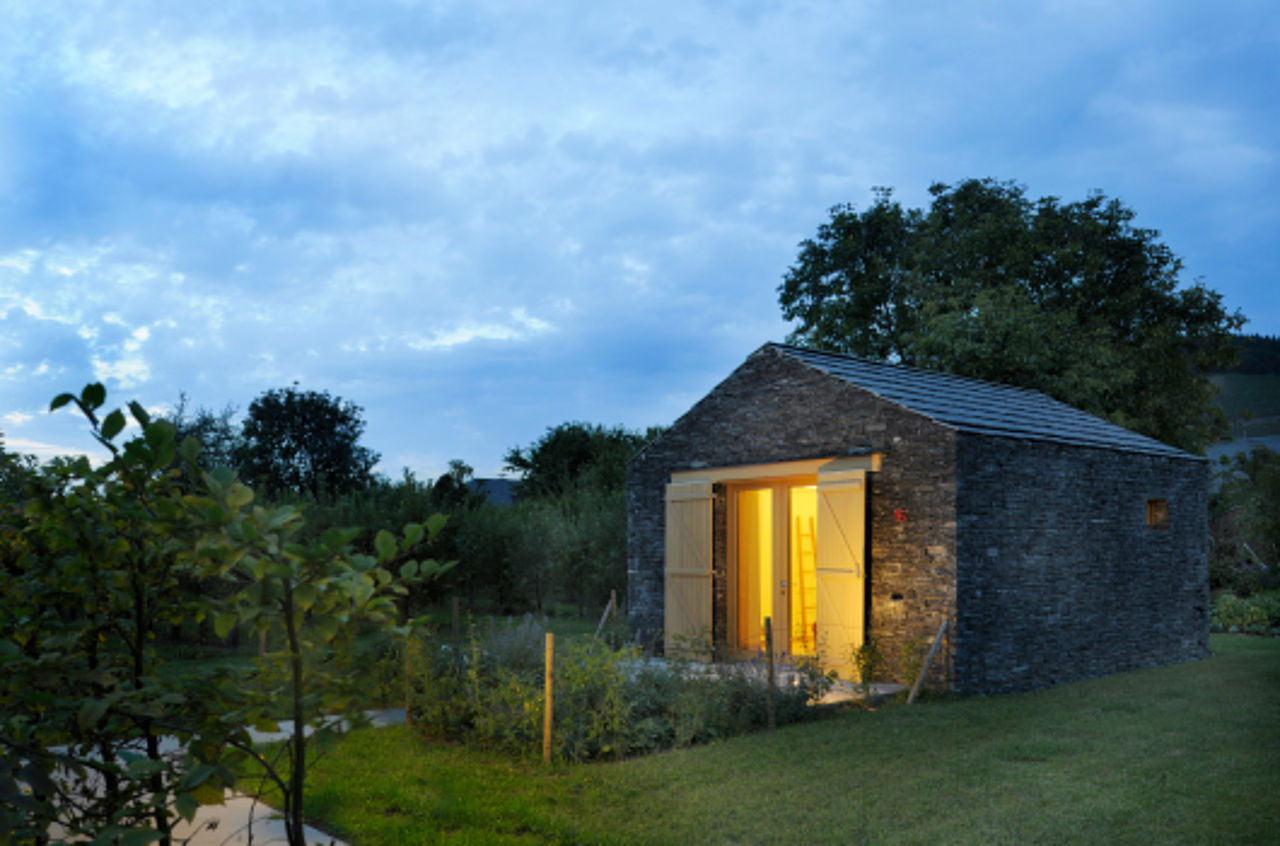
305	596
107	837
326	626
239	495
93	396
113	424
139	837
435	523
409	570
91	710
190	449
165	454
413	533
265	724
223	624
335	538
139	413
186	806
196	776
209	794
385	543
60	400
159	435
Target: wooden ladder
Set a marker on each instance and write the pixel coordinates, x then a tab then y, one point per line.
806	553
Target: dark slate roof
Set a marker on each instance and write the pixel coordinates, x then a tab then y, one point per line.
970	405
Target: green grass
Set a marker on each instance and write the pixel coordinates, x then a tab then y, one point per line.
1180	754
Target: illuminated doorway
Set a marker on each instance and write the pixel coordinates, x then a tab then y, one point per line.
794	545
775	548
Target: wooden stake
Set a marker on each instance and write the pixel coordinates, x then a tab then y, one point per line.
612	607
928	660
768	650
548	698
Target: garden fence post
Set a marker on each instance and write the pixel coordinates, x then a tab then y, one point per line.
546	711
768	651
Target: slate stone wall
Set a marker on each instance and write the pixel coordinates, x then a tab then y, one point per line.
1061	578
774	408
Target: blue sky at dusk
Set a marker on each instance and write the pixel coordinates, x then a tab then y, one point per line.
477	220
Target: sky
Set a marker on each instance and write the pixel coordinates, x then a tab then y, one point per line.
478	220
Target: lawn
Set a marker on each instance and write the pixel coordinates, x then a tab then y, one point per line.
1180	754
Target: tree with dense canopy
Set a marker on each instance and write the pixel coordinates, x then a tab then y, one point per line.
304	442
219	437
1069	299
574	454
572	521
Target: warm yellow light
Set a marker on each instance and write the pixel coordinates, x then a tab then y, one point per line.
755	563
803	570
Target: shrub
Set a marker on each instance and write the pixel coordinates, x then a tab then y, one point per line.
608	702
1256	614
869	662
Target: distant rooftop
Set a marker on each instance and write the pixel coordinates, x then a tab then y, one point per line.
498	491
971	405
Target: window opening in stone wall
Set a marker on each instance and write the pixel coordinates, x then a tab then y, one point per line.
1158	513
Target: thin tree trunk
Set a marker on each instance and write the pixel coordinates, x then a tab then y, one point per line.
298	774
155	781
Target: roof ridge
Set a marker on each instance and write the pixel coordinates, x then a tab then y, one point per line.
974	405
910	368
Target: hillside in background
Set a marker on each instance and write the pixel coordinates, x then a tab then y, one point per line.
1250	395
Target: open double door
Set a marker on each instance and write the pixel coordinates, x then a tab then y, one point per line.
794	547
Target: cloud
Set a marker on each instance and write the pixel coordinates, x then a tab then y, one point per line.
508	216
47	451
520	326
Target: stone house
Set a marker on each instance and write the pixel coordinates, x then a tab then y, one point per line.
844	499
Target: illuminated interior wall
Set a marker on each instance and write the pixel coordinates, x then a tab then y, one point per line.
755	566
803	557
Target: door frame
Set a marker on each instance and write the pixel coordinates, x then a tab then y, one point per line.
781	551
745	476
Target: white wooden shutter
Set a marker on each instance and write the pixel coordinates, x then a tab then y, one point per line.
842	499
687	602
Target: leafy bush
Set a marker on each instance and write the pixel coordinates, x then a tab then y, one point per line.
515	644
609	703
869	661
1255	614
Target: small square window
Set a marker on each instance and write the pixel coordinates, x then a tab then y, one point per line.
1158	513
